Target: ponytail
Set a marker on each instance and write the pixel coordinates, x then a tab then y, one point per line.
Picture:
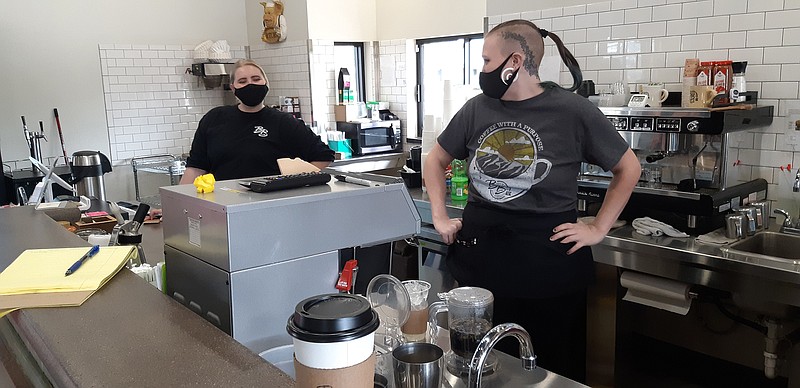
529	38
567	57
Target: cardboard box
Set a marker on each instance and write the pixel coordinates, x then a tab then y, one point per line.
347	112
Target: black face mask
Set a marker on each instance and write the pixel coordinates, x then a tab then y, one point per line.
495	83
252	94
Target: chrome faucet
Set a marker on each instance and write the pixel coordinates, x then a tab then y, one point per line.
787	226
787	220
487	344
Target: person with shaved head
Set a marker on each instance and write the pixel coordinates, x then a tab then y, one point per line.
524	141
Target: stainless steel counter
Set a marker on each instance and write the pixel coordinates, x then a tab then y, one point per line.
683	259
367	163
758	287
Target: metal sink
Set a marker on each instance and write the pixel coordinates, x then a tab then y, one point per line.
767	245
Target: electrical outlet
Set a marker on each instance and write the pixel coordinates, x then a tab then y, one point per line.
792	139
793	120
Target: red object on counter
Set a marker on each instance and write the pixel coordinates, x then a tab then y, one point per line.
345	282
722	78
705	74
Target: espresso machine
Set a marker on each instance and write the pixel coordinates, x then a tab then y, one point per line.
683	151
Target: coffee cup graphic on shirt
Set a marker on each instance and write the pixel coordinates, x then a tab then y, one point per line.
507	163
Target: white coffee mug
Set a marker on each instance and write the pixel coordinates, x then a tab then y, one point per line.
656	92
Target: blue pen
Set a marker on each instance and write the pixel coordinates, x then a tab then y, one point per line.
83	258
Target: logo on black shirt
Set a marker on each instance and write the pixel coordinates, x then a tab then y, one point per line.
506	162
261	131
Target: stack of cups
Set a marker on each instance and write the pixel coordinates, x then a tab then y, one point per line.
432	127
334	341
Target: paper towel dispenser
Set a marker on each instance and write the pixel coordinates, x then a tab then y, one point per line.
213	74
210	69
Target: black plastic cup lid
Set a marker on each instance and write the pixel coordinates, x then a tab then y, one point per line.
332	318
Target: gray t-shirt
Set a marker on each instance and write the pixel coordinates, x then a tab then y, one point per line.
526	155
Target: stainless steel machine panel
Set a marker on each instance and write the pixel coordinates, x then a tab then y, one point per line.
243	260
263	298
234	229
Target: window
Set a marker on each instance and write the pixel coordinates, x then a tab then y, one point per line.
351	56
457	59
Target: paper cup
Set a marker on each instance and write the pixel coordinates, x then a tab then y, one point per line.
334	336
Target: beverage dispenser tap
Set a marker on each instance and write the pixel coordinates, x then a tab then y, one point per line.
487	344
694	165
33	140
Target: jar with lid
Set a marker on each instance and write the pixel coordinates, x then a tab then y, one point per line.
723	72
738	84
704	73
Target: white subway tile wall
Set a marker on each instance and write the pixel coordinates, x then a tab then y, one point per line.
393	76
648	40
323	83
288	68
152	104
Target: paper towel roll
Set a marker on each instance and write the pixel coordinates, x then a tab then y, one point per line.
656	292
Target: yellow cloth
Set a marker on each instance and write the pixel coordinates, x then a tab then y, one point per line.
36	278
205	183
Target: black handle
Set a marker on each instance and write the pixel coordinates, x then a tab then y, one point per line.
24	124
138	218
141	212
41	126
55	112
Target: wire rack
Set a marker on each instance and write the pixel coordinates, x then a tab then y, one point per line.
156	164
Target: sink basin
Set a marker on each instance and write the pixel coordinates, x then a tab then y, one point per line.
767	245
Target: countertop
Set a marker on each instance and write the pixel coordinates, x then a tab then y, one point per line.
754	281
104	343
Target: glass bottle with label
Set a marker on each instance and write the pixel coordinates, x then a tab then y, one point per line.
459	181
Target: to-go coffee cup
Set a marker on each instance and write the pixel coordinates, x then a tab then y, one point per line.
334	341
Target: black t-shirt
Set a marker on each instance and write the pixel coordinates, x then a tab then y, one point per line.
526	155
232	144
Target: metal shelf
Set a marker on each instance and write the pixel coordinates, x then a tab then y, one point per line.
157	164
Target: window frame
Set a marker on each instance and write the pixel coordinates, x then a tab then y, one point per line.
420	63
359	77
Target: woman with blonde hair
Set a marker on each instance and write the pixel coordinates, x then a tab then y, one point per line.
247	139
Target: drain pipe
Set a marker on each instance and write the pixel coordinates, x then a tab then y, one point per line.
771	348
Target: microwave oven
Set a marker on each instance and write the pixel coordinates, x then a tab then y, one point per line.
373	136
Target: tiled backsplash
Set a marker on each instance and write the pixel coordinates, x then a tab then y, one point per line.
152	104
644	41
393	77
287	66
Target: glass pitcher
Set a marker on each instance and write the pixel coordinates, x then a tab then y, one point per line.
469	316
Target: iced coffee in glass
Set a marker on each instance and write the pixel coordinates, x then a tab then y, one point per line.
415	328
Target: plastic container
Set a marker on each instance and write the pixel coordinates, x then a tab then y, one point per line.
459	181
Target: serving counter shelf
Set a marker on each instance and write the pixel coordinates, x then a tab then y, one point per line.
104	342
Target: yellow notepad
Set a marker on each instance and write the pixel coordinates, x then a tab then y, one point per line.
36	278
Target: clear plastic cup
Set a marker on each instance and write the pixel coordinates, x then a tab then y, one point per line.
417	324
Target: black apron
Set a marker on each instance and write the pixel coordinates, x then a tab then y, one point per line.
510	254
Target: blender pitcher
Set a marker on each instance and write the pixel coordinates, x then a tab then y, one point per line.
469	316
